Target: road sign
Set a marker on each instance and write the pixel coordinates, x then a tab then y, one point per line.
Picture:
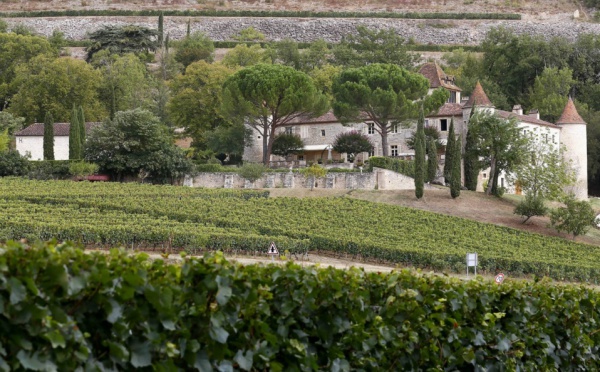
499	278
273	249
472	262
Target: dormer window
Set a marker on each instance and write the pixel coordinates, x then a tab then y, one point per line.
452	98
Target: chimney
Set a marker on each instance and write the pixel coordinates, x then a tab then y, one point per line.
534	113
517	109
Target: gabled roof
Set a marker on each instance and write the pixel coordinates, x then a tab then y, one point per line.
524	118
449	109
478	98
570	115
327	117
437	77
60	129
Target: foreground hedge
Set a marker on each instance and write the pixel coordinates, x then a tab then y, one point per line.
61	309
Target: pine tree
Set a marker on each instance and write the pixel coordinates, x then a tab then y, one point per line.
455	176
48	137
81	122
432	161
74	137
420	156
160	29
449	153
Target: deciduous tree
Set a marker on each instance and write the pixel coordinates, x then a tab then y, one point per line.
268	97
196	47
286	144
576	217
352	143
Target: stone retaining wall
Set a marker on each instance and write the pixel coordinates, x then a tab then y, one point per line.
469	32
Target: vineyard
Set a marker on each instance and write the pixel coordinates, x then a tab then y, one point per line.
166	217
63	310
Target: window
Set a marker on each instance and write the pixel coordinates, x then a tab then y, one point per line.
303	132
289	130
394	128
444	125
452	98
370	128
394	149
426	122
300	157
501	182
546	137
553	139
484	176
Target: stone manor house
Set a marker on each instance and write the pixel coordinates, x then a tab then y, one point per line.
319	133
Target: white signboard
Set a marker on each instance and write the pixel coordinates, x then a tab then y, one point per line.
273	249
471	262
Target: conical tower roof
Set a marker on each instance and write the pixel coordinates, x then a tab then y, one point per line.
570	115
478	98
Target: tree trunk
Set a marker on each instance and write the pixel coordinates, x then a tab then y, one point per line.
492	178
265	141
384	140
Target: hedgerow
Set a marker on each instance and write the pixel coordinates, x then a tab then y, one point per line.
254	13
142	216
62	309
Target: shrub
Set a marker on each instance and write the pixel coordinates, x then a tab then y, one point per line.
251	171
531	206
576	217
82	168
49	169
13	164
405	167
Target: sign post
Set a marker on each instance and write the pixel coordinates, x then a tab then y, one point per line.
471	262
272	251
499	278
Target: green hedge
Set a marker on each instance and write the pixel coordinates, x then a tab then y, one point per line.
256	13
406	167
62	309
49	169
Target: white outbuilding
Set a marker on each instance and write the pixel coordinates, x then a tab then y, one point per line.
30	141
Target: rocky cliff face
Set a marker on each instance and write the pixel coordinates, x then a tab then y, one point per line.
329	29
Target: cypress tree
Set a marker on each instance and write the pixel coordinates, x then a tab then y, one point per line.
74	137
160	29
81	122
449	153
471	161
188	31
48	137
455	177
420	156
167	44
432	161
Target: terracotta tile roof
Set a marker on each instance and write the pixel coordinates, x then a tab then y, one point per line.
448	109
60	129
327	117
437	78
524	118
570	115
479	98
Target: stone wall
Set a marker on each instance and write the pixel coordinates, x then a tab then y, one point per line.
307	29
382	179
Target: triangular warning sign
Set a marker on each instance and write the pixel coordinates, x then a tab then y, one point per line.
273	249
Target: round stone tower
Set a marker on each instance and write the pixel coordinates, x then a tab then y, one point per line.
573	136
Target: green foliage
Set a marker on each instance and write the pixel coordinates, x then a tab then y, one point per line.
432	161
13	164
249	34
4	140
48	137
161	33
384	94
135	143
576	217
352	143
57	84
256	13
22	29
251	171
405	167
3	26
10	123
550	92
196	99
531	206
455	179
229	139
122	40
286	144
82	168
49	169
267	97
372	46
81	122
196	47
420	156
500	143
145	216
75	148
243	55
471	160
450	151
